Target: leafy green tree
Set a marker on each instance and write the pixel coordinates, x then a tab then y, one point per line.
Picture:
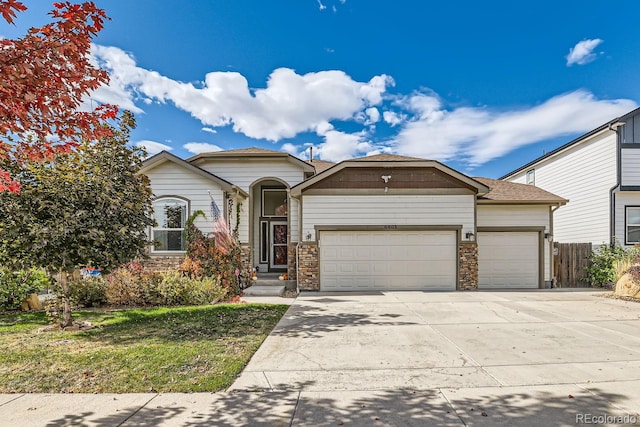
87	208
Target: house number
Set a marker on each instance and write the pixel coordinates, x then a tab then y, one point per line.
391	227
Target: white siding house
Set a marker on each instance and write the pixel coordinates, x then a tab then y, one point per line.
599	173
383	222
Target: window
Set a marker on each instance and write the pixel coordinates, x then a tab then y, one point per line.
274	202
171	217
531	177
633	224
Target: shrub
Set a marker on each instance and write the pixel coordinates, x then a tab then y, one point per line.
178	289
208	290
16	286
130	284
88	292
607	263
218	255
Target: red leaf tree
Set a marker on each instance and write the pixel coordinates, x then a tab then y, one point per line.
44	76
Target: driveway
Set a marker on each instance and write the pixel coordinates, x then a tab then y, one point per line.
543	352
550	358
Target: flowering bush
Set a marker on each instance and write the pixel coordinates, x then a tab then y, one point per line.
218	256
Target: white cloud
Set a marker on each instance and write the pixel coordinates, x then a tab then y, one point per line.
321	6
201	147
393	118
117	92
290	104
152	147
291	148
477	135
373	115
210	130
582	52
338	146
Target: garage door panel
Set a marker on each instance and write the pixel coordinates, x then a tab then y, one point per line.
383	260
508	260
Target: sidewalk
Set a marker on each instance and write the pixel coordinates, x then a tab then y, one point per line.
554	405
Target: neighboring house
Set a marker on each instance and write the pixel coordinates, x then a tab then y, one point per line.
599	173
376	223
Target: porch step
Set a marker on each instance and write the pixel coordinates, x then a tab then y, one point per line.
290	284
265	290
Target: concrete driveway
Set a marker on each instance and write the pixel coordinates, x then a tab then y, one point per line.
471	357
548	358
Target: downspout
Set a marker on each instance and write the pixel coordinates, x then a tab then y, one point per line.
615	126
299	199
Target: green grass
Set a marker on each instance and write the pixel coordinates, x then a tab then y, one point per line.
161	349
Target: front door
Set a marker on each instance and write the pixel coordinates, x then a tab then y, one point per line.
278	244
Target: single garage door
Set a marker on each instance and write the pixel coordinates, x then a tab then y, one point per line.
387	260
508	259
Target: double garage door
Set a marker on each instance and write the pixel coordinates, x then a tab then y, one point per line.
424	260
387	260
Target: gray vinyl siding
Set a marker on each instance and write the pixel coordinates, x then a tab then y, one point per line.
387	210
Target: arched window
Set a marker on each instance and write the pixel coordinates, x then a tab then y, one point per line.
171	217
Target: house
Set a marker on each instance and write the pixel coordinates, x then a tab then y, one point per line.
599	172
375	223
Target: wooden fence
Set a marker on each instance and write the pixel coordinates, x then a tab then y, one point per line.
570	261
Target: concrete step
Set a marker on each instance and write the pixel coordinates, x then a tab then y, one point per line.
265	291
275	282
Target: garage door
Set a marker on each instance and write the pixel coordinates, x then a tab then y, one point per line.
508	260
387	260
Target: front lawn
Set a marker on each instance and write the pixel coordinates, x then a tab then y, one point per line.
140	350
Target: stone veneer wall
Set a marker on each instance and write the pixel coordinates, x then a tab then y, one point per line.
291	258
308	267
245	257
163	262
468	266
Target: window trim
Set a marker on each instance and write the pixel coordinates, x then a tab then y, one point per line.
154	229
263	191
531	173
626	224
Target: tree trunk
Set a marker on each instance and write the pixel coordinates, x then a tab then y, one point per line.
66	305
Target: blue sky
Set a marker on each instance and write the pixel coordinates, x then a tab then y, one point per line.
482	87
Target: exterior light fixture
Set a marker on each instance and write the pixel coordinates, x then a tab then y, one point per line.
548	235
469	235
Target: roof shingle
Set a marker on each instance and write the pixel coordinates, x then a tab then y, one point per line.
386	158
504	191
